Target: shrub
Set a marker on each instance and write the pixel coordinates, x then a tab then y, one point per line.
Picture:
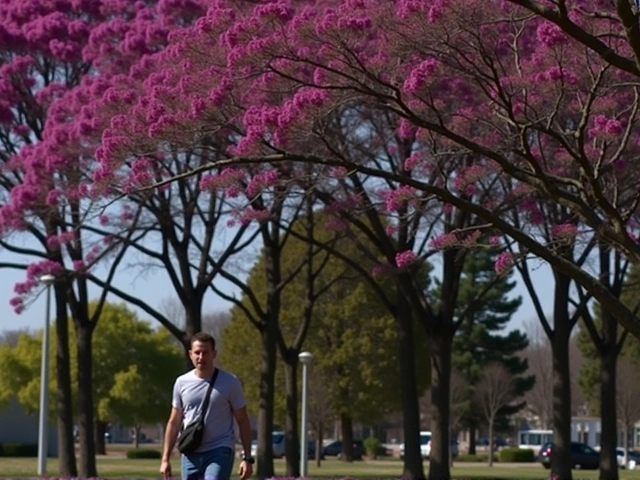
143	453
517	455
18	450
373	447
478	457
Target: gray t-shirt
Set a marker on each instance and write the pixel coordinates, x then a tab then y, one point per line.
188	395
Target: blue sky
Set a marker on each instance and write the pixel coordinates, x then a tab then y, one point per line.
155	289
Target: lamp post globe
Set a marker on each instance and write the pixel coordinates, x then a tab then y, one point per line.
305	357
47	279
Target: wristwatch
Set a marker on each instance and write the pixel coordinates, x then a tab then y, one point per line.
248	459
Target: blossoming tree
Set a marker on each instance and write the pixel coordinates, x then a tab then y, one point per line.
536	100
47	49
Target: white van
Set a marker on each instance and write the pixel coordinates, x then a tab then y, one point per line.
425	445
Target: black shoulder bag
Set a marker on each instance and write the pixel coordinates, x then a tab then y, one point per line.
191	435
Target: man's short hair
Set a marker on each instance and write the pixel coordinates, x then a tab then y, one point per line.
204	338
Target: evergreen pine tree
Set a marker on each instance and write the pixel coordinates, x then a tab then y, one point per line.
481	338
589	375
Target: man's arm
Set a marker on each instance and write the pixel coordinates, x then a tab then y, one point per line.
244	427
171	433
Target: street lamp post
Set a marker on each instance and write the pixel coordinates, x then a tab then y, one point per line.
43	424
305	359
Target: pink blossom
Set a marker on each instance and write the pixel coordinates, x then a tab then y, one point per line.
249	215
604	127
406	258
339	172
37	269
503	262
408	7
412	161
22	130
446	240
420	75
406	129
564	230
472	238
79	265
232	192
16	301
53	243
261	181
394	199
66	237
550	35
52	197
228	177
17	304
466	177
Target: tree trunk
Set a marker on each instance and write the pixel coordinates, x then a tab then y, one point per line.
561	417
625	443
451	449
440	351
292	444
101	430
64	399
346	429
491	422
472	438
192	324
187	359
320	435
264	467
85	401
608	405
412	462
136	436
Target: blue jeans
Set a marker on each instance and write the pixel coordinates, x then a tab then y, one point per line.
214	464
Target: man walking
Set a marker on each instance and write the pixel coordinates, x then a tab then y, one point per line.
213	458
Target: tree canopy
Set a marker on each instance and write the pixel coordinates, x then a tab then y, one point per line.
135	369
352	337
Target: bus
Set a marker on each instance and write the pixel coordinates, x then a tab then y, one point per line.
534	439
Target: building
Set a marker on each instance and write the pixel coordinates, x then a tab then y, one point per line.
587	430
16	426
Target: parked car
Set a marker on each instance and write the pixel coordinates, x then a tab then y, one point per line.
425	446
582	456
335	449
278	445
633	459
311	450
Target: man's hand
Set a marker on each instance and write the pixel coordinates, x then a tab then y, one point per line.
165	469
245	470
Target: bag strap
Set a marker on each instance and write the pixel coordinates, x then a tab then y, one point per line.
205	404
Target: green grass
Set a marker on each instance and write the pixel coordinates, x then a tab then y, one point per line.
115	466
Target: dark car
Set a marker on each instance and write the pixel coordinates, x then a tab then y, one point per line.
582	456
334	449
311	450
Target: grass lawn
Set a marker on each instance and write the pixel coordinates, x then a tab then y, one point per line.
116	466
